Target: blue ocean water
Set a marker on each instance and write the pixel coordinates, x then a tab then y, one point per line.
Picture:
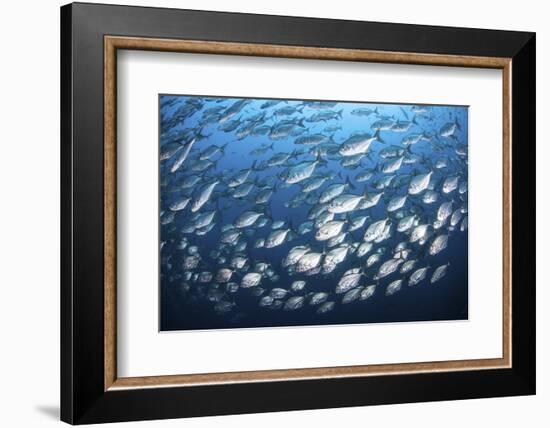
215	142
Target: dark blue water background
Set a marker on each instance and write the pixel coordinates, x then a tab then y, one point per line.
445	300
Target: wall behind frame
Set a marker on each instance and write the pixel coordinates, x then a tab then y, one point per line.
29	220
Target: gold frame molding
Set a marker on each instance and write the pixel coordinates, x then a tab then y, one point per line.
113	43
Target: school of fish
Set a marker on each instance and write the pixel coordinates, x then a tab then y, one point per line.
368	214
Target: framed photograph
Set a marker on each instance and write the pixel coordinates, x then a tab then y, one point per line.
266	213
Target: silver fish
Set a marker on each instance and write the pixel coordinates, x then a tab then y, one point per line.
203	197
266	301
278	293
203	219
312	139
276	238
297	286
356	223
406	223
444	211
450	184
239	178
375	230
387	268
325	307
295	254
344	203
396	203
350	280
363	249
329	230
418	232
439	273
224	275
438	244
332	191
430	197
318	298
179	204
367	292
251	279
420	183
248	218
358	144
293	303
418	276
449	129
393	287
392	165
300	172
308	261
182	156
407	266
352	295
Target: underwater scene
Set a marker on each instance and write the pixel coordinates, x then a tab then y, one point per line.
285	212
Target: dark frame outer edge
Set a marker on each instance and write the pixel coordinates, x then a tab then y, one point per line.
83	399
524	215
66	314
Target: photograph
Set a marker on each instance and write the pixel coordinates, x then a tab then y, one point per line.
287	212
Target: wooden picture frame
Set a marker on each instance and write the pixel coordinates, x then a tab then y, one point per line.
91	390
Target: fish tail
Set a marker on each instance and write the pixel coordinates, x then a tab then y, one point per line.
340	113
201	136
366	193
457	124
414	120
318	157
349	183
301	123
378	138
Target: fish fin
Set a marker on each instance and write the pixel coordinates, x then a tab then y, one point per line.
348	181
319	158
301	123
267	212
339	112
378	138
366	193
